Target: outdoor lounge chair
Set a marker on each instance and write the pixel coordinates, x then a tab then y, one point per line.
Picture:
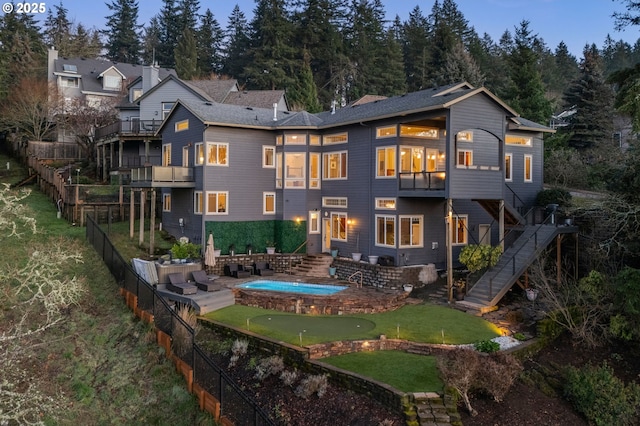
263	268
235	270
205	282
177	284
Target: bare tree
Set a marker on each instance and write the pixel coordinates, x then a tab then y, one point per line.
459	369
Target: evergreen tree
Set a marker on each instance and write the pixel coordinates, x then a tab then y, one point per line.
592	125
123	42
415	47
491	63
460	66
151	41
272	64
57	28
303	95
525	92
188	14
237	44
169	24
566	66
209	40
186	56
391	80
84	43
616	55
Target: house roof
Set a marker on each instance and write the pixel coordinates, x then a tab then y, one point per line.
519	123
196	91
255	98
217	90
410	103
91	71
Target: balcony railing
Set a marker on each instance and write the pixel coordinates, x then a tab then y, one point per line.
129	128
427	181
158	176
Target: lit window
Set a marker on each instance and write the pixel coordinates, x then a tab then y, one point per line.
411	160
268	156
386	161
385	203
339	226
166	155
217	154
528	168
166	202
279	170
314	222
185	156
269	203
465	136
335	202
181	126
517	140
508	161
199	153
459	230
135	94
314	170
279	140
314	140
295	165
217	202
334	165
385	231
419	132
410	231
298	139
465	157
386	132
197	202
337	138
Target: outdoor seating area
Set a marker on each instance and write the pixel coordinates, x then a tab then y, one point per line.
236	270
206	282
179	285
263	269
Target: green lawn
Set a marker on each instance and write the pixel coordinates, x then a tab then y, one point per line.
418	323
405	372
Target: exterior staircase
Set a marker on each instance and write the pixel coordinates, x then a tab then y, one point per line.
313	265
495	283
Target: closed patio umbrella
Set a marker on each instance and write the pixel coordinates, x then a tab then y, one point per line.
209	256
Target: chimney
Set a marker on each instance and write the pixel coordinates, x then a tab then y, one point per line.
275	112
333	107
52	57
150	77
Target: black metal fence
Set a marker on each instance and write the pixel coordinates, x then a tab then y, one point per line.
235	405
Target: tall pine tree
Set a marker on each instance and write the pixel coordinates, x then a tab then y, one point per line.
237	44
415	46
209	40
186	55
170	31
123	41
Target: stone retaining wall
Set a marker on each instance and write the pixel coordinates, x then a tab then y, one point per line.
279	262
385	276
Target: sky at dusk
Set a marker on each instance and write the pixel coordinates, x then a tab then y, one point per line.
576	22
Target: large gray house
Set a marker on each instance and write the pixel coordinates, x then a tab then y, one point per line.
383	177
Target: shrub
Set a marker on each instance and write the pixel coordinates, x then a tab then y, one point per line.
289	377
520	337
559	196
487	346
269	366
497	373
603	398
312	384
182	336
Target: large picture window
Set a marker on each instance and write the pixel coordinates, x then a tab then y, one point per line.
411	231
295	166
419	132
334	165
411	159
385	231
386	161
217	202
339	226
217	154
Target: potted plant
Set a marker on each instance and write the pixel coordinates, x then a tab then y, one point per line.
332	271
373	259
184	251
232	250
334	252
271	247
357	255
459	287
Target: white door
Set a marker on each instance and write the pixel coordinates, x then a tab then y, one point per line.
484	234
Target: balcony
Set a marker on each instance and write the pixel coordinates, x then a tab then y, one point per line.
426	184
162	177
129	128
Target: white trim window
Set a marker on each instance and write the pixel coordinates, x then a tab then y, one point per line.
185	156
338	226
385	203
419	132
411	159
268	203
314	170
518	140
295	170
465	136
198	158
268	157
217	154
334	165
166	155
181	126
335	138
465	158
459	230
315	140
166	108
166	202
340	202
295	139
411	231
386	132
314	222
197	202
528	168
217	202
278	170
385	231
386	162
508	167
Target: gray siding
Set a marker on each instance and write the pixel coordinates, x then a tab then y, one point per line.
151	105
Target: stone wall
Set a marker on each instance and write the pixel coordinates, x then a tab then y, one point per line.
279	262
385	276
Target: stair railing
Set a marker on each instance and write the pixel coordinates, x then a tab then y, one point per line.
513	257
353	281
294	252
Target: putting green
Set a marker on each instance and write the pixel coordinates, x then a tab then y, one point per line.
334	326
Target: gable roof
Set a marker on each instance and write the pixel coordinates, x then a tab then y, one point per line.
91	71
199	93
255	98
217	90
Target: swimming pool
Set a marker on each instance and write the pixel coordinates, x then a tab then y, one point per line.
293	287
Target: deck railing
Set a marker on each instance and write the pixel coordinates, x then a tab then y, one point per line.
427	181
129	128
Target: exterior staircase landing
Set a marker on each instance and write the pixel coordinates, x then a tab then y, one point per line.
313	265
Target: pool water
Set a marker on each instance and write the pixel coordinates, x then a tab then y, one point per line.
293	287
